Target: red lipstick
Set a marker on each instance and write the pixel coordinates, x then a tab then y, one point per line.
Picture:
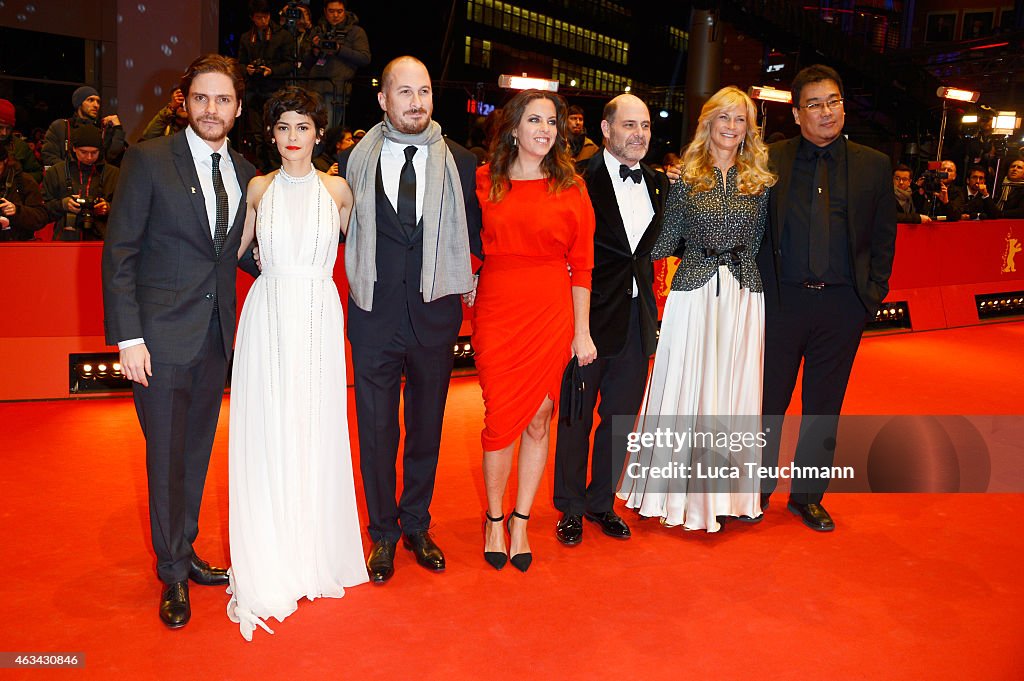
290	148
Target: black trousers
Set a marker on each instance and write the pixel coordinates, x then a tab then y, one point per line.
178	413
823	329
620	383
377	372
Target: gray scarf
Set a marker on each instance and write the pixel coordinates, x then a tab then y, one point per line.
1004	193
446	261
903	197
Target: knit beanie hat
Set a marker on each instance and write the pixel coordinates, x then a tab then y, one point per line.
81	94
86	136
6	113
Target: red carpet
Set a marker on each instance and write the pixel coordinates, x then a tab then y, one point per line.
908	587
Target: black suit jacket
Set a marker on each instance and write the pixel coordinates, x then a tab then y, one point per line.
396	293
161	274
616	265
871	220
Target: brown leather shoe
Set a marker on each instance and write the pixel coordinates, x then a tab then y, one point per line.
204	574
175	610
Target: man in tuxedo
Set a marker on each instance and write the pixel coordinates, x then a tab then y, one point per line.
407	257
629	201
169	303
825	262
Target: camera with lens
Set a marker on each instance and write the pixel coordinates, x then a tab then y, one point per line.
292	12
258	65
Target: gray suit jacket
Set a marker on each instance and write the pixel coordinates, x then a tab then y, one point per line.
161	274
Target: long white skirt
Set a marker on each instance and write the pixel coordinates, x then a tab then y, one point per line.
707	377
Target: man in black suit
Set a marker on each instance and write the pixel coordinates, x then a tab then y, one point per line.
629	200
407	258
169	304
825	263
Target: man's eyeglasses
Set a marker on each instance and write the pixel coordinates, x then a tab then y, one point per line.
819	107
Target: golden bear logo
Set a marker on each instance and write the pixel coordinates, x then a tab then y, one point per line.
1013	247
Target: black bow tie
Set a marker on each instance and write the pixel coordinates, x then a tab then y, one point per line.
625	172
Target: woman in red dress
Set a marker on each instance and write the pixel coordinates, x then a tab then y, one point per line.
532	304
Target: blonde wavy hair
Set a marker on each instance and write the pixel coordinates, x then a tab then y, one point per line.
751	158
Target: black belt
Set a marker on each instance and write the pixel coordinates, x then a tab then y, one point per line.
733	259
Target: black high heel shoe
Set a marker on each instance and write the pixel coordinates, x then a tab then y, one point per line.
496	559
520	561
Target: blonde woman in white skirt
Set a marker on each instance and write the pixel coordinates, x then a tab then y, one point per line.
695	452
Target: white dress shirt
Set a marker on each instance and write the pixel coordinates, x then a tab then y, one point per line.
634	204
392	158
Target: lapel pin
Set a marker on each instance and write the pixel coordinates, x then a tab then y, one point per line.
193	189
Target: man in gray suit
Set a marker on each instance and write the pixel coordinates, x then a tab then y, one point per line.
169	303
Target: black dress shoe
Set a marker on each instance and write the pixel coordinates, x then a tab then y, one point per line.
428	554
569	529
204	574
611	524
814	516
175	610
381	563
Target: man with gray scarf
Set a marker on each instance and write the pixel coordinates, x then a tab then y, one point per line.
407	256
905	210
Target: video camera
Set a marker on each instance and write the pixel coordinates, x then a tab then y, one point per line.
332	40
933	177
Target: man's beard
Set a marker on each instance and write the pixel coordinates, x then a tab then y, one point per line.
211	136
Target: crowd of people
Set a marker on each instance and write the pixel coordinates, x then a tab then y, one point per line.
785	255
936	196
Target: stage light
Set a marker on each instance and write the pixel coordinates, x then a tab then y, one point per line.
87	368
969	119
101	368
663	113
628	89
524	82
891	316
572	83
1007	304
957	94
769	94
374	82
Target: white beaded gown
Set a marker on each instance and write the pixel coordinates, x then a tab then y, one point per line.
294	528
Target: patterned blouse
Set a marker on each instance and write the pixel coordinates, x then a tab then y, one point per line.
720	227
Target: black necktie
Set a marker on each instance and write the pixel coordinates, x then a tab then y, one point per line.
625	172
819	232
407	193
220	229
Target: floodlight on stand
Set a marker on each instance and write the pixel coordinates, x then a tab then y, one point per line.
969	119
769	94
524	82
957	94
1005	122
949	94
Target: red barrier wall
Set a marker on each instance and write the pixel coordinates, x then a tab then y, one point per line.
52	300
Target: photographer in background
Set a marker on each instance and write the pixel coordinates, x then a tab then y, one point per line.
339	48
17	148
978	203
169	120
22	212
905	210
941	200
86	101
1011	191
78	192
264	51
295	19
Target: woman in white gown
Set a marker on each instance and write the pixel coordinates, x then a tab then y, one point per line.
708	366
293	524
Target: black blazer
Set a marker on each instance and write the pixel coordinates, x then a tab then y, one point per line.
871	218
615	265
160	272
399	264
